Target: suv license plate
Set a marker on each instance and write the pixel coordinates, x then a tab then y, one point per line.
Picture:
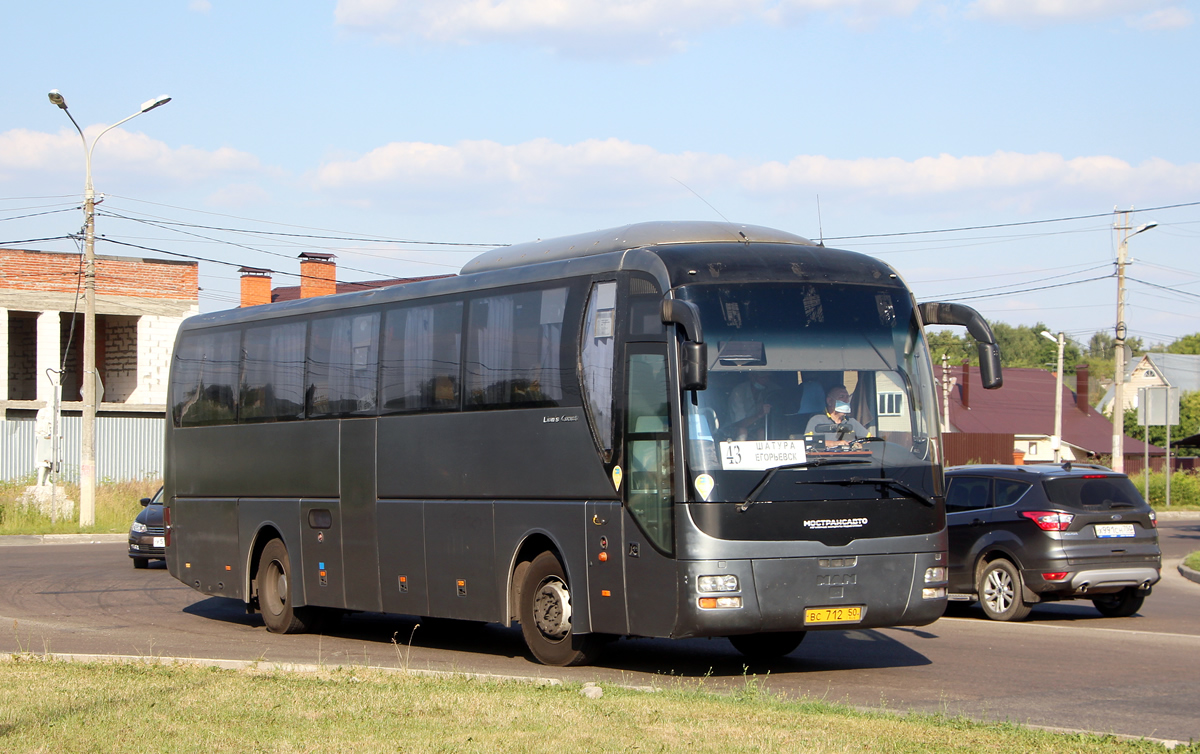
851	614
1104	531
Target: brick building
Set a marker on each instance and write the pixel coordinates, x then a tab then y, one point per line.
139	306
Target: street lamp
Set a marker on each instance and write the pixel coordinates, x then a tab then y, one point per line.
1118	411
87	454
1056	441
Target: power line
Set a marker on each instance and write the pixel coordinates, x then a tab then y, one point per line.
1006	225
1025	290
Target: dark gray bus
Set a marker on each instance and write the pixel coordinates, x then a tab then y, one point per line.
622	433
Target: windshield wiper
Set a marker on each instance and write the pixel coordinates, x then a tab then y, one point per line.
802	465
888	481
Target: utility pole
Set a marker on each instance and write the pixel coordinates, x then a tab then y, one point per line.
1118	411
1056	441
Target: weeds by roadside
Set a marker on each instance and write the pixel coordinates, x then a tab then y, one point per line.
117	503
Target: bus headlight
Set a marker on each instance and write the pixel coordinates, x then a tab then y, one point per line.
937	593
723	583
935	574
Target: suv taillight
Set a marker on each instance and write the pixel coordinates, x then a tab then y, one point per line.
1153	520
1049	520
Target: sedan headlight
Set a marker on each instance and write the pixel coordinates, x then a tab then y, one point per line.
138	527
723	583
935	574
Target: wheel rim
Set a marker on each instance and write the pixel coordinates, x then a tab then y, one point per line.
999	592
552	609
276	590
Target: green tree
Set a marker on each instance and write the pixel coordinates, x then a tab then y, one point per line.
1189	344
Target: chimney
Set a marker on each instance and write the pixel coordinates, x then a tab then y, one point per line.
318	274
966	384
1081	388
256	286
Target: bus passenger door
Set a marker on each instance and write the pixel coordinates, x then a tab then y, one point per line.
606	567
649	520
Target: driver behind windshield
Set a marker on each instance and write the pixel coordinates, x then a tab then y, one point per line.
837	427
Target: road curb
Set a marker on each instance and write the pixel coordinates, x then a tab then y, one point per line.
1189	573
18	540
1177	515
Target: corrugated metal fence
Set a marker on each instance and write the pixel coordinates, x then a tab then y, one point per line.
127	447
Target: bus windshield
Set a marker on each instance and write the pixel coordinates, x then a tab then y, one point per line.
834	375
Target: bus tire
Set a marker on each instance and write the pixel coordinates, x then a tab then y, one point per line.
770	646
274	595
545	613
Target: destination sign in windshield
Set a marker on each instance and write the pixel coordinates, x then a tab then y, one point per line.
760	455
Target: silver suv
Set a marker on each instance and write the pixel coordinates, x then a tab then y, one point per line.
1020	535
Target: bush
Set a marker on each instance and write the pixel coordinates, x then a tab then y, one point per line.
1185	489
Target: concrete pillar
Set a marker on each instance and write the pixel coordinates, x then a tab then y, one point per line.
49	356
3	355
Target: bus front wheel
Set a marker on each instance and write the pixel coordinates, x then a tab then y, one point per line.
545	612
274	594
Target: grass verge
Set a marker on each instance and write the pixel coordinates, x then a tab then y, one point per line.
116	507
51	705
1193	561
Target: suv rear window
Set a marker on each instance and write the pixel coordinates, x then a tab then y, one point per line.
1094	493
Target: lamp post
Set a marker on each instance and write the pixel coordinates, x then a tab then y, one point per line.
87	454
1056	441
1118	411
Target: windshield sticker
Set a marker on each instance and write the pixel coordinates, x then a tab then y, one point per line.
704	486
760	455
616	476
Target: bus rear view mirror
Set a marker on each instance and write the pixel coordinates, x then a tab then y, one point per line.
693	365
936	313
693	352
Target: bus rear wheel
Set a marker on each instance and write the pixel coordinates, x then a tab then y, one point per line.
545	612
767	646
274	593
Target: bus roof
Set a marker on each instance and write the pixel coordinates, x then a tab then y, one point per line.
635	236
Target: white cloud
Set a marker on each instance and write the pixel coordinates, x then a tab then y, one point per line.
119	152
616	173
643	28
1145	14
649	28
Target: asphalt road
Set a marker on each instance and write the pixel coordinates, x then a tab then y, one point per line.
1066	667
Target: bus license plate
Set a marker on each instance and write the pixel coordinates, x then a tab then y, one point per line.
160	542
1104	531
814	615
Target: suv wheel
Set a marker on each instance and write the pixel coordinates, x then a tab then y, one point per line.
1121	604
999	587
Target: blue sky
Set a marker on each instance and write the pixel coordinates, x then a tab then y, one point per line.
500	121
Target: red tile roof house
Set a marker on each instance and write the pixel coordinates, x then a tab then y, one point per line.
1024	408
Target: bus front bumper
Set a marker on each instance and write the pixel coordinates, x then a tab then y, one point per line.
729	597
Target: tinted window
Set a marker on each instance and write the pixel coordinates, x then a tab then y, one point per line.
273	373
515	350
421	353
204	379
967	493
343	358
596	357
1095	493
1009	492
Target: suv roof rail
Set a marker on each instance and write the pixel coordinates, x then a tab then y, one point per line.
1067	465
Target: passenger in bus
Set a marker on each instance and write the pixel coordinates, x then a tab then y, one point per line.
749	411
836	426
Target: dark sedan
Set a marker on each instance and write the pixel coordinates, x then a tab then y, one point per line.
1021	535
147	538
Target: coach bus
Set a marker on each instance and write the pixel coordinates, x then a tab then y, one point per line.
595	436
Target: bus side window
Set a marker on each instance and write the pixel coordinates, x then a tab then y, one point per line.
205	379
342	359
421	354
596	358
272	386
649	441
515	350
